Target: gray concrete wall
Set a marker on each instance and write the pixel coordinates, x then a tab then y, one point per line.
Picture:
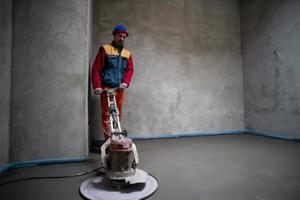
188	68
49	79
5	71
271	46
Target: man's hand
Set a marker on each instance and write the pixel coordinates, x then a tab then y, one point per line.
98	91
123	85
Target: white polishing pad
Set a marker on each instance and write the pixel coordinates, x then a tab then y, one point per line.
98	188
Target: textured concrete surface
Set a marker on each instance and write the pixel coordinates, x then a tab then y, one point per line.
49	79
188	68
201	168
5	71
271	46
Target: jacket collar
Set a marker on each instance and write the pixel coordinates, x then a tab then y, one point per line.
119	47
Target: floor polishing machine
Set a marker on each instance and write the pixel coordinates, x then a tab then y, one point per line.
119	154
122	180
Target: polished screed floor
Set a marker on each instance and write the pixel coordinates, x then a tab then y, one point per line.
226	167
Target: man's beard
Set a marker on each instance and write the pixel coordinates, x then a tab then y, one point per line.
120	42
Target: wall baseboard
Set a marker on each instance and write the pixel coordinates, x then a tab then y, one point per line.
225	132
41	162
191	134
272	135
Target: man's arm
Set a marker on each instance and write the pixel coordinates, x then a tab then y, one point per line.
129	72
96	70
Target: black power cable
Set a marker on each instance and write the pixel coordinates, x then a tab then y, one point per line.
52	177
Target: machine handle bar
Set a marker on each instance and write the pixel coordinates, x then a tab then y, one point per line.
110	89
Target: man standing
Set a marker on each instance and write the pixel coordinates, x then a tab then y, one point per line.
113	68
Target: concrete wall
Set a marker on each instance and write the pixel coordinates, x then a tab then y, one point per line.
5	69
271	46
188	68
49	79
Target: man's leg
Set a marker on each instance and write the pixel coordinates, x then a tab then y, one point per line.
120	100
119	95
105	116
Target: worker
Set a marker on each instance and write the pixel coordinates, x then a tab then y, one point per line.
112	68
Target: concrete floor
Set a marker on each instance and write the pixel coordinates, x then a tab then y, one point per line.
224	167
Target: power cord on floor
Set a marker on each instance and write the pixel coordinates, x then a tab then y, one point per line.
53	177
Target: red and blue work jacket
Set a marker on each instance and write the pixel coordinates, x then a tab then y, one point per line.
112	67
